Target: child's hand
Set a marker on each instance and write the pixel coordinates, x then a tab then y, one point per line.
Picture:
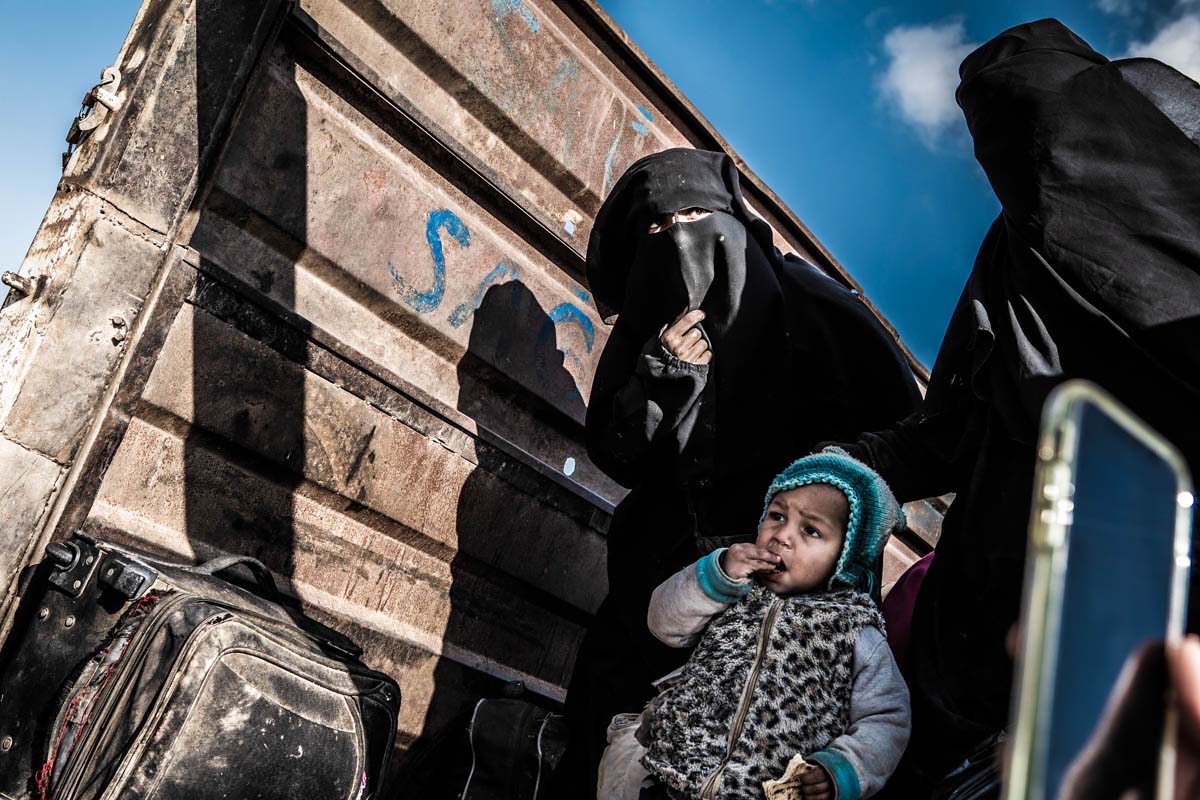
684	340
743	559
816	784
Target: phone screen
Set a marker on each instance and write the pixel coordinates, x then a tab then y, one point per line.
1117	585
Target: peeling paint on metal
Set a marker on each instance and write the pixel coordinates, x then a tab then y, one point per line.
505	7
567	72
608	161
571	220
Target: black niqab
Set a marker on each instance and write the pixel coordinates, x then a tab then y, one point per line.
1093	268
658	185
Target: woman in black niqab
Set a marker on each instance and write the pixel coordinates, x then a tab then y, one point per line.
796	359
1091	271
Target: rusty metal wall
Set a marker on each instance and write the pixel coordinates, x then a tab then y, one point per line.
315	293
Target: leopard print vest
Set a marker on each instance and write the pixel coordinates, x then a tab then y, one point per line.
770	678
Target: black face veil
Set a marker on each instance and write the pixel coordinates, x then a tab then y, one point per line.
657	185
1093	268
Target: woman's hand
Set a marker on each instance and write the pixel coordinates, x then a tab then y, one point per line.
683	339
742	560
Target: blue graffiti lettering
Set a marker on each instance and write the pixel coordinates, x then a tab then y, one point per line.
425	301
502	273
569	313
645	112
582	295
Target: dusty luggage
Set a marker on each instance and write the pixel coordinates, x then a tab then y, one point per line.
126	676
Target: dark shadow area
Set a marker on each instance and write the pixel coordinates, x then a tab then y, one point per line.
512	342
240	413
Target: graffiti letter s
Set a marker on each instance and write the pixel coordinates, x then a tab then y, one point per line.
428	300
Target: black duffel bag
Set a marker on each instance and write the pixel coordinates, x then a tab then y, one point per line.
515	747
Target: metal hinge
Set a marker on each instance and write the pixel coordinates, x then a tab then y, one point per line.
20	285
103	94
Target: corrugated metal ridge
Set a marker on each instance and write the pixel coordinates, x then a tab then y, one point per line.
689	119
471	171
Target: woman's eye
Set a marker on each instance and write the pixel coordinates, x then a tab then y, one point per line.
811	531
664	221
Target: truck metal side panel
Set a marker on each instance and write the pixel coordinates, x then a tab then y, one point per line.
314	292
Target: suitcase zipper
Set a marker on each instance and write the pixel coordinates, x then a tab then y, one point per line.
89	737
150	723
708	789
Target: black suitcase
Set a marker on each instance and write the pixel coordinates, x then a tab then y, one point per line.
515	748
126	677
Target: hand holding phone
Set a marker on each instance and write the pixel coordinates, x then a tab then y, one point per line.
1106	585
1123	752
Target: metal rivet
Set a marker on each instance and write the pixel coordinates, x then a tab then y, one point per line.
89	559
43	612
110	572
69	622
6	743
76	585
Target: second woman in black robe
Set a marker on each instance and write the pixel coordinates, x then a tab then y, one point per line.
1092	270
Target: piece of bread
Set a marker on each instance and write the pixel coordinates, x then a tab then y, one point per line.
788	787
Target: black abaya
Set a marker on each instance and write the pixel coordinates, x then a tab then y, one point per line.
1091	271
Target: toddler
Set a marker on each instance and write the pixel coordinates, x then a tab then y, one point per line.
790	656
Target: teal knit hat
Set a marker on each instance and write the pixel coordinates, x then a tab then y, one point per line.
874	512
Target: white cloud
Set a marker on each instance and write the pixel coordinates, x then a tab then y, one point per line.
923	72
1121	7
1177	43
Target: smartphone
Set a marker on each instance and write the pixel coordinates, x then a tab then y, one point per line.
1107	572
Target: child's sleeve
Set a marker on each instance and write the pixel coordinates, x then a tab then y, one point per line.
682	605
861	760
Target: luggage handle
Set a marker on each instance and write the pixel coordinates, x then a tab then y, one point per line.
258	569
266	581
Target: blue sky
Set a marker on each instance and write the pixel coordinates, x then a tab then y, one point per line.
845	108
51	54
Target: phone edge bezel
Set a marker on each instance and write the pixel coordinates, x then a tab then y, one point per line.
1047	548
